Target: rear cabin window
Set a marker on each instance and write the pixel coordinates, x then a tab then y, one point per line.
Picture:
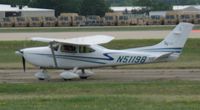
85	49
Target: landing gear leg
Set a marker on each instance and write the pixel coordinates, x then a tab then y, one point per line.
42	75
83	75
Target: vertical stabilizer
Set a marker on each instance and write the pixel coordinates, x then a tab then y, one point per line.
176	38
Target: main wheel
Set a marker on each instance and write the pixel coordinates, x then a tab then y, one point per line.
67	79
83	77
41	79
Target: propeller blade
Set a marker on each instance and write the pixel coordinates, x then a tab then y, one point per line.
24	63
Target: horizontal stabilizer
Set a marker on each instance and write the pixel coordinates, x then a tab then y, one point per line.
163	56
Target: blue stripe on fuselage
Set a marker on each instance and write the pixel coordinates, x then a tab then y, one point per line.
177	50
83	58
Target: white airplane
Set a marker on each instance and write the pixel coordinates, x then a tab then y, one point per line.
77	54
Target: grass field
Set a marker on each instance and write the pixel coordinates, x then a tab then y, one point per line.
189	59
89	29
141	95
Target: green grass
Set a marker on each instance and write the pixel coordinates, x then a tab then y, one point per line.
137	95
189	59
88	29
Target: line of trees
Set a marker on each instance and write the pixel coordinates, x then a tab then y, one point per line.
19	2
97	7
83	7
171	2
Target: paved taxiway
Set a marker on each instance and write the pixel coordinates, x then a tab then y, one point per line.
120	75
117	35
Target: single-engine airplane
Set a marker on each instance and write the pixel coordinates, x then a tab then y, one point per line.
77	54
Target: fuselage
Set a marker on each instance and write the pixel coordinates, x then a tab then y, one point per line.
100	57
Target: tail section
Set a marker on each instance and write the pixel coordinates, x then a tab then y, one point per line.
170	48
176	38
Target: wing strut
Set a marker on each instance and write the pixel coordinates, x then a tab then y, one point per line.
53	54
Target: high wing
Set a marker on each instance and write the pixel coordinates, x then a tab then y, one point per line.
88	40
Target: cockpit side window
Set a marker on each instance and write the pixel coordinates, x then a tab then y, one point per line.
68	49
85	49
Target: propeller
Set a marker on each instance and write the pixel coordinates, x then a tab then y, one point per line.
23	59
24	63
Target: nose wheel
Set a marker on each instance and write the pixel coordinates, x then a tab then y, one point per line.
82	77
42	75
